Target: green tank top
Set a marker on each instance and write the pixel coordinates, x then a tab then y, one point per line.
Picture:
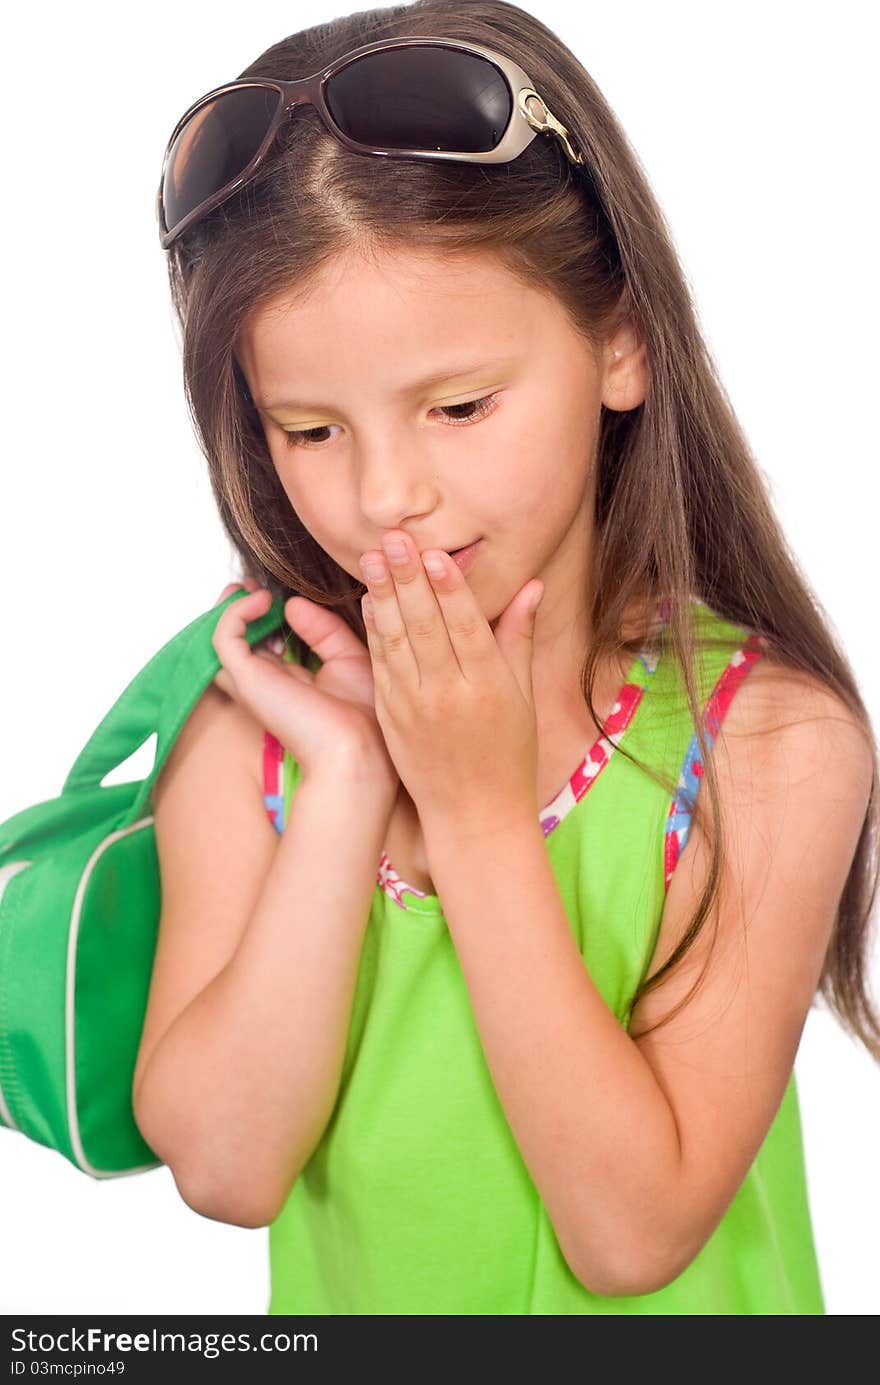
417	1199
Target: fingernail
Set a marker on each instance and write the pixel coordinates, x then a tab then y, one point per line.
434	565
396	550
374	568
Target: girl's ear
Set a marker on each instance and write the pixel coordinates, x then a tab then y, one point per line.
625	369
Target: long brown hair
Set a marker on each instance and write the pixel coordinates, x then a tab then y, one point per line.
681	507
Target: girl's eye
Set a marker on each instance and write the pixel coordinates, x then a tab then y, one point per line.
303	437
482	407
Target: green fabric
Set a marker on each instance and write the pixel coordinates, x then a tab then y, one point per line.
417	1200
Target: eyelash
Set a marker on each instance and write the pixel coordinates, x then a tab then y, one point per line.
484	406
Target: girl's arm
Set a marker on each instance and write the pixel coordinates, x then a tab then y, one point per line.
256	964
638	1146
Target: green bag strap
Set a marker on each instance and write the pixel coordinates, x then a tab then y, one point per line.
158	700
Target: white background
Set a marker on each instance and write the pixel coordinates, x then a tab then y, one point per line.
757	130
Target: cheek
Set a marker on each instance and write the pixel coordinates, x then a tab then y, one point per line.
308	500
296	494
539	472
323	512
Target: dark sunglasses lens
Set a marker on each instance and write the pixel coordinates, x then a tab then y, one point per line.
214	147
421	98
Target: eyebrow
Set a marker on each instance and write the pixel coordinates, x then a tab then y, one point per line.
435	378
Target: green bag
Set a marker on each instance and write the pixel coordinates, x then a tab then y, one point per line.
79	918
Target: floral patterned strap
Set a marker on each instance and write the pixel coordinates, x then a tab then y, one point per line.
678	821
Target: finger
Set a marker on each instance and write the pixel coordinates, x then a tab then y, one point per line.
227	591
324	631
417	608
422	614
230	633
391	639
374	644
249	583
224	683
468	630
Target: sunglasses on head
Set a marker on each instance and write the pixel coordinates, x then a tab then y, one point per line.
413	98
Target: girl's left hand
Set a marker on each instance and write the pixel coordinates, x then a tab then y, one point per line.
453	699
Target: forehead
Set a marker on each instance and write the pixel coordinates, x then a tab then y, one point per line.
398	308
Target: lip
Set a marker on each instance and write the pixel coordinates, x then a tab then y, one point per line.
464	557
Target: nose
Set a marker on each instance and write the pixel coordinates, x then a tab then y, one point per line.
395	482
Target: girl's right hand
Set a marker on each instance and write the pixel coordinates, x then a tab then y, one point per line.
320	718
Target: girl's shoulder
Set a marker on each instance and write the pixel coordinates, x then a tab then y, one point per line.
219	731
784	744
776	696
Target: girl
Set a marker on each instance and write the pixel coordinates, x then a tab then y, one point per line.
473	1021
